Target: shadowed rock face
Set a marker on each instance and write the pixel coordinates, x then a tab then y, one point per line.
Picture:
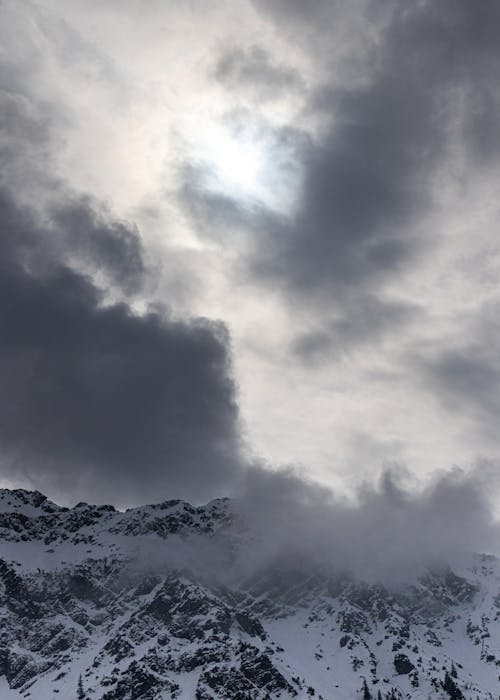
99	602
402	664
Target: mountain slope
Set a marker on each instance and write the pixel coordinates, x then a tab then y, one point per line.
108	605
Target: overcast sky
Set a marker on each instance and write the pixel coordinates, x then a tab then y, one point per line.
238	231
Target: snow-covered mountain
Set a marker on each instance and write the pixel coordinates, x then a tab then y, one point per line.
109	605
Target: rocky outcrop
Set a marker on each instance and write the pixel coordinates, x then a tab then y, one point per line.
105	605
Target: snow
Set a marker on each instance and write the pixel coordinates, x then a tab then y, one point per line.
328	642
7	694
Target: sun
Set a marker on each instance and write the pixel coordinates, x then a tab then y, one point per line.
233	162
245	162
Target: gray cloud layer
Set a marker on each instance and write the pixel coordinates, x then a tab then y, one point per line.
390	532
464	375
363	320
254	70
368	182
96	399
422	110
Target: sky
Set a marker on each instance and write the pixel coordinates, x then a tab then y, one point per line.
248	234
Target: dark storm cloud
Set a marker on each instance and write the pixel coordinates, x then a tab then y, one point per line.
255	70
87	232
78	228
368	181
95	399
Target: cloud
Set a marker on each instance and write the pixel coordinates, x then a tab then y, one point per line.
466	381
367	182
468	375
414	84
390	532
89	235
368	179
98	400
362	320
95	399
254	70
218	207
77	229
461	371
394	106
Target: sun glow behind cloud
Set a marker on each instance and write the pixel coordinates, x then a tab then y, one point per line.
242	163
236	162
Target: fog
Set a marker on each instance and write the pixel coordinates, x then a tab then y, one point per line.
390	531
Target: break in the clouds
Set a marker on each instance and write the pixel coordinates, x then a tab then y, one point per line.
259	223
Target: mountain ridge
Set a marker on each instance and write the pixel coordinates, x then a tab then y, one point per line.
147	604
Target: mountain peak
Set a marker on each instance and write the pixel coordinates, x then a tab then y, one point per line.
149	603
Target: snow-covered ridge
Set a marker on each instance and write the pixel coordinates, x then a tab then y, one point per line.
109	605
29	503
30	517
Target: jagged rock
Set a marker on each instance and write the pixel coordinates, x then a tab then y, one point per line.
402	664
91	593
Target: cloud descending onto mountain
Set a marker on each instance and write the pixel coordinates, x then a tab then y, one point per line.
390	530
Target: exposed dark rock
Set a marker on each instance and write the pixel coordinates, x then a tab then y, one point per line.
402	664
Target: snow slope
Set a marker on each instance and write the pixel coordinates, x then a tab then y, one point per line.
108	605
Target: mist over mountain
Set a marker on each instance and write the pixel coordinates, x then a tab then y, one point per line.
385	531
179	601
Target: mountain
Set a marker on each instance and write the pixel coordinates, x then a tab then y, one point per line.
147	603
